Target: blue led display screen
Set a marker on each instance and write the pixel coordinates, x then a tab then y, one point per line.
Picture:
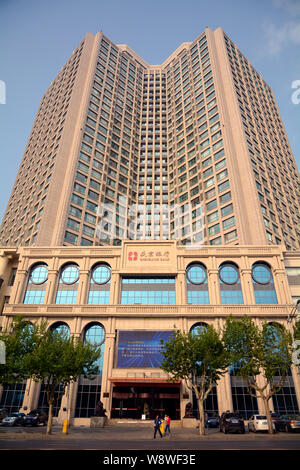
141	348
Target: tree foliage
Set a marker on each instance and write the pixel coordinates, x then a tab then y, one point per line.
19	342
47	356
198	359
262	356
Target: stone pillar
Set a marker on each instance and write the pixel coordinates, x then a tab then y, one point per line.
247	287
108	360
281	286
180	289
19	287
4	260
83	287
224	394
114	294
31	396
51	286
66	411
213	287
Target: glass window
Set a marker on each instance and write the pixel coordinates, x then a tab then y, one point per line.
148	290
36	287
230	285
68	285
263	284
99	284
89	392
197	284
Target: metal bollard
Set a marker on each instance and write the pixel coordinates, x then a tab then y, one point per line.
65	426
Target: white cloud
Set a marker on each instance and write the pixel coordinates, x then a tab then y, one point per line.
280	37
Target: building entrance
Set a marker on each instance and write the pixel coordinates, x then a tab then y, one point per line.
134	402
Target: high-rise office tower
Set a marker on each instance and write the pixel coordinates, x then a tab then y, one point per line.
193	149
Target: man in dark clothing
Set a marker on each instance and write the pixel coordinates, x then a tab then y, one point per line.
157	423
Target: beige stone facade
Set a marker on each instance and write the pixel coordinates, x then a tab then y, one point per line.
146	260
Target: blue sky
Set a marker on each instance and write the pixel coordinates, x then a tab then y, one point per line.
38	36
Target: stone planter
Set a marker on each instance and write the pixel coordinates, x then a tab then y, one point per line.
98	421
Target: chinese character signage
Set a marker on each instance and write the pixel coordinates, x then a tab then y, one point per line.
141	348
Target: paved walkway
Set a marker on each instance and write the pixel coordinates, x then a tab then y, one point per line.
125	432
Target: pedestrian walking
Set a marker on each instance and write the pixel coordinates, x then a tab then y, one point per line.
167	420
157	424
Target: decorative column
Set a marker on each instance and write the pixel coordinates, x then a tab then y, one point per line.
213	287
114	294
51	286
180	289
247	287
83	287
4	260
224	394
281	286
108	363
31	396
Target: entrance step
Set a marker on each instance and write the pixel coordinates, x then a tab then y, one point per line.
140	423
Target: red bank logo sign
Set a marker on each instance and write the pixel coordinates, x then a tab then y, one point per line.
149	256
132	256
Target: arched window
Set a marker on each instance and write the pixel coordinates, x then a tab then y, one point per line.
68	284
61	328
230	284
197	284
263	284
37	282
89	392
99	284
198	328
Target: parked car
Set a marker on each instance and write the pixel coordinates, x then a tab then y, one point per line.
259	423
34	418
213	421
288	423
231	422
13	419
275	416
3	414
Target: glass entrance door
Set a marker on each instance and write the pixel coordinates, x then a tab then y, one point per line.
138	402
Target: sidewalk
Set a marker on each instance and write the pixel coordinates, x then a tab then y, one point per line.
133	433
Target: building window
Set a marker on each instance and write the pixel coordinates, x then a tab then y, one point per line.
37	282
263	284
197	284
230	284
68	285
99	284
89	391
148	290
12	396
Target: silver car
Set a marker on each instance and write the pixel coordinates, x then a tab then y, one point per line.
259	423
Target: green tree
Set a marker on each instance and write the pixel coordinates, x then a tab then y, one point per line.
199	360
17	342
57	360
262	356
296	345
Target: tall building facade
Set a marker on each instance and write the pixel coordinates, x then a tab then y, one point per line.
193	150
174	164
